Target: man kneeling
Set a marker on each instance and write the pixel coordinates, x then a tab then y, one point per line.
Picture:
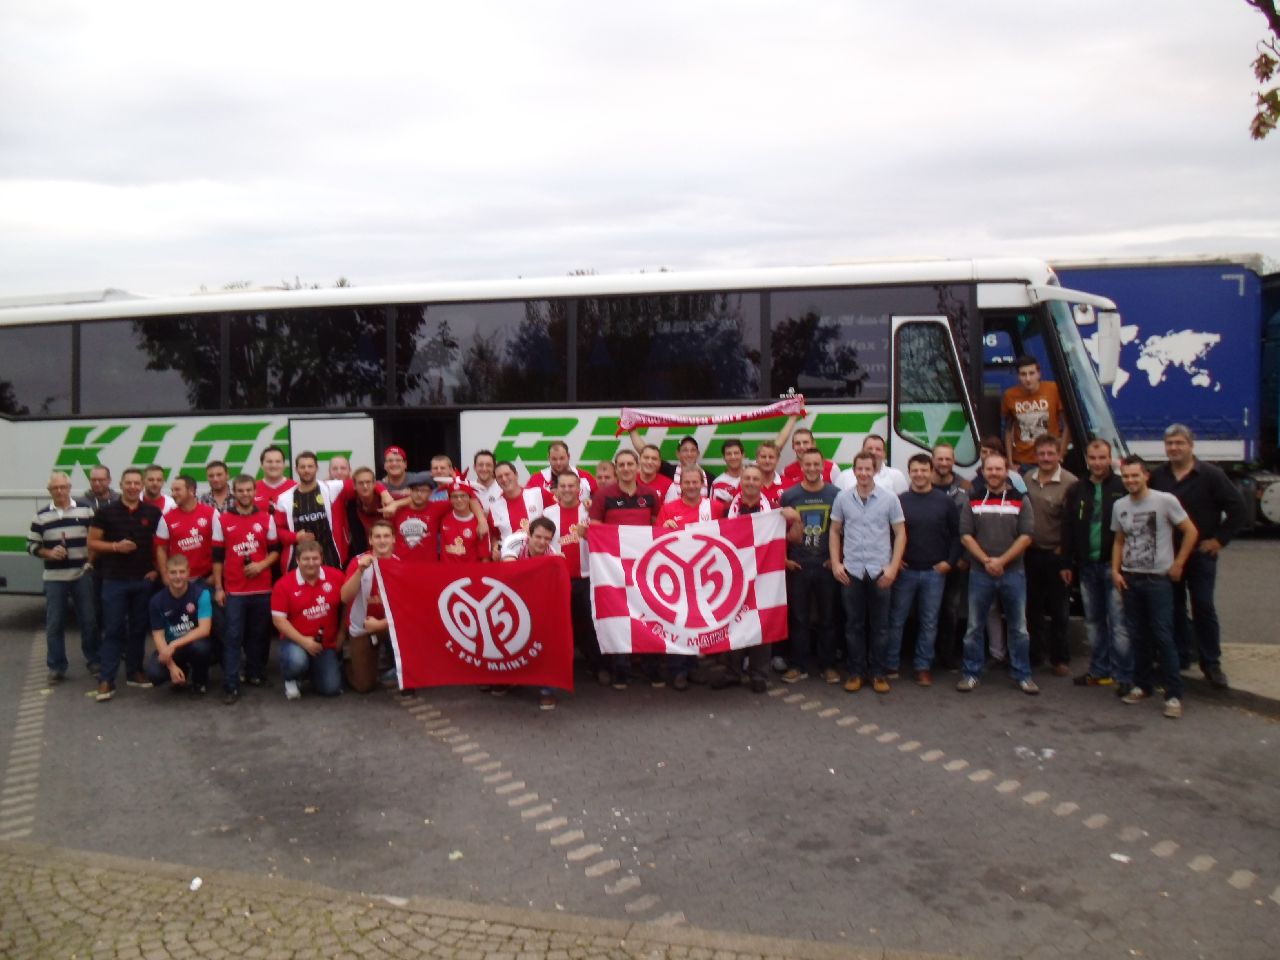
181	628
305	606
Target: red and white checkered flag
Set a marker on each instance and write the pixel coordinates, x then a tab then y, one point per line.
708	588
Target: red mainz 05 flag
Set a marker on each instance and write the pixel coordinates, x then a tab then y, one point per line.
473	623
711	587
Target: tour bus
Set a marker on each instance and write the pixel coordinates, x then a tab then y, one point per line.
918	352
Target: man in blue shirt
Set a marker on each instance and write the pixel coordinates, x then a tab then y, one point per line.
868	538
181	628
933	549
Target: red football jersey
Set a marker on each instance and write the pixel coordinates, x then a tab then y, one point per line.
417	529
459	540
245	539
190	533
310	607
682	514
264	495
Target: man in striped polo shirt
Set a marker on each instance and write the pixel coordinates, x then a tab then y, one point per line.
59	536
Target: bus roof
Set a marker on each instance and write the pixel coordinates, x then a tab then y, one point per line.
1035	272
1250	261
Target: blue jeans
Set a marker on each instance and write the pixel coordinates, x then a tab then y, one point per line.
325	668
1148	611
56	594
927	587
866	607
806	587
1196	585
248	620
194	659
1105	624
1011	588
126	621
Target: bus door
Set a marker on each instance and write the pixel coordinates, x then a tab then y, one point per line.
349	435
930	402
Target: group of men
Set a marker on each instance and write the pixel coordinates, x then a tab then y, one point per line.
211	578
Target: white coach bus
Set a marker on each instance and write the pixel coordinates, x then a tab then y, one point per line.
919	352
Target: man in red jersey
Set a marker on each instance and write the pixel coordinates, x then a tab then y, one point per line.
417	523
651	474
692	507
516	507
571	519
727	670
726	484
189	530
305	604
362	508
538	542
558	455
273	482
460	538
153	493
627	500
367	616
802	440
686	457
749	499
767	461
245	548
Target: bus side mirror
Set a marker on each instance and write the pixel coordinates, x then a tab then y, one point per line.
1108	346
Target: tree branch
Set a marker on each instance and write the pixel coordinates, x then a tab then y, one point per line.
1269	10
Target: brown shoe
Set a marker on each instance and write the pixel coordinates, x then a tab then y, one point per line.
880	685
924	678
829	675
105	692
853	684
1061	670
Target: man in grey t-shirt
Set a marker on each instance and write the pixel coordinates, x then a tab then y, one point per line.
807	507
1144	569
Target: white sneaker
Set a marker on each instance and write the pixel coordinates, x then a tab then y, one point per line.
1173	708
779	665
291	691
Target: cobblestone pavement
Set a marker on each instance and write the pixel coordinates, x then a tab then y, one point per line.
61	904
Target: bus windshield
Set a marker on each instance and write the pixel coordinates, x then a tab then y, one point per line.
1093	402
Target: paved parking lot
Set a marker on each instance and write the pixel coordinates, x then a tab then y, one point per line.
991	824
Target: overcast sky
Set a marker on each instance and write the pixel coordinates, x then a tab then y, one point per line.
161	147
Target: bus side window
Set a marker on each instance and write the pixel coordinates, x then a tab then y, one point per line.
929	405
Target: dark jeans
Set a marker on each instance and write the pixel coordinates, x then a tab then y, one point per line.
1011	589
866	607
1047	598
809	588
949	650
194	659
248	622
324	669
922	591
1148	613
584	627
124	610
1111	654
57	593
1196	585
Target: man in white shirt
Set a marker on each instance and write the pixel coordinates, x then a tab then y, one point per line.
886	478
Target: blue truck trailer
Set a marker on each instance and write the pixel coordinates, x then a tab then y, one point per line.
1200	345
